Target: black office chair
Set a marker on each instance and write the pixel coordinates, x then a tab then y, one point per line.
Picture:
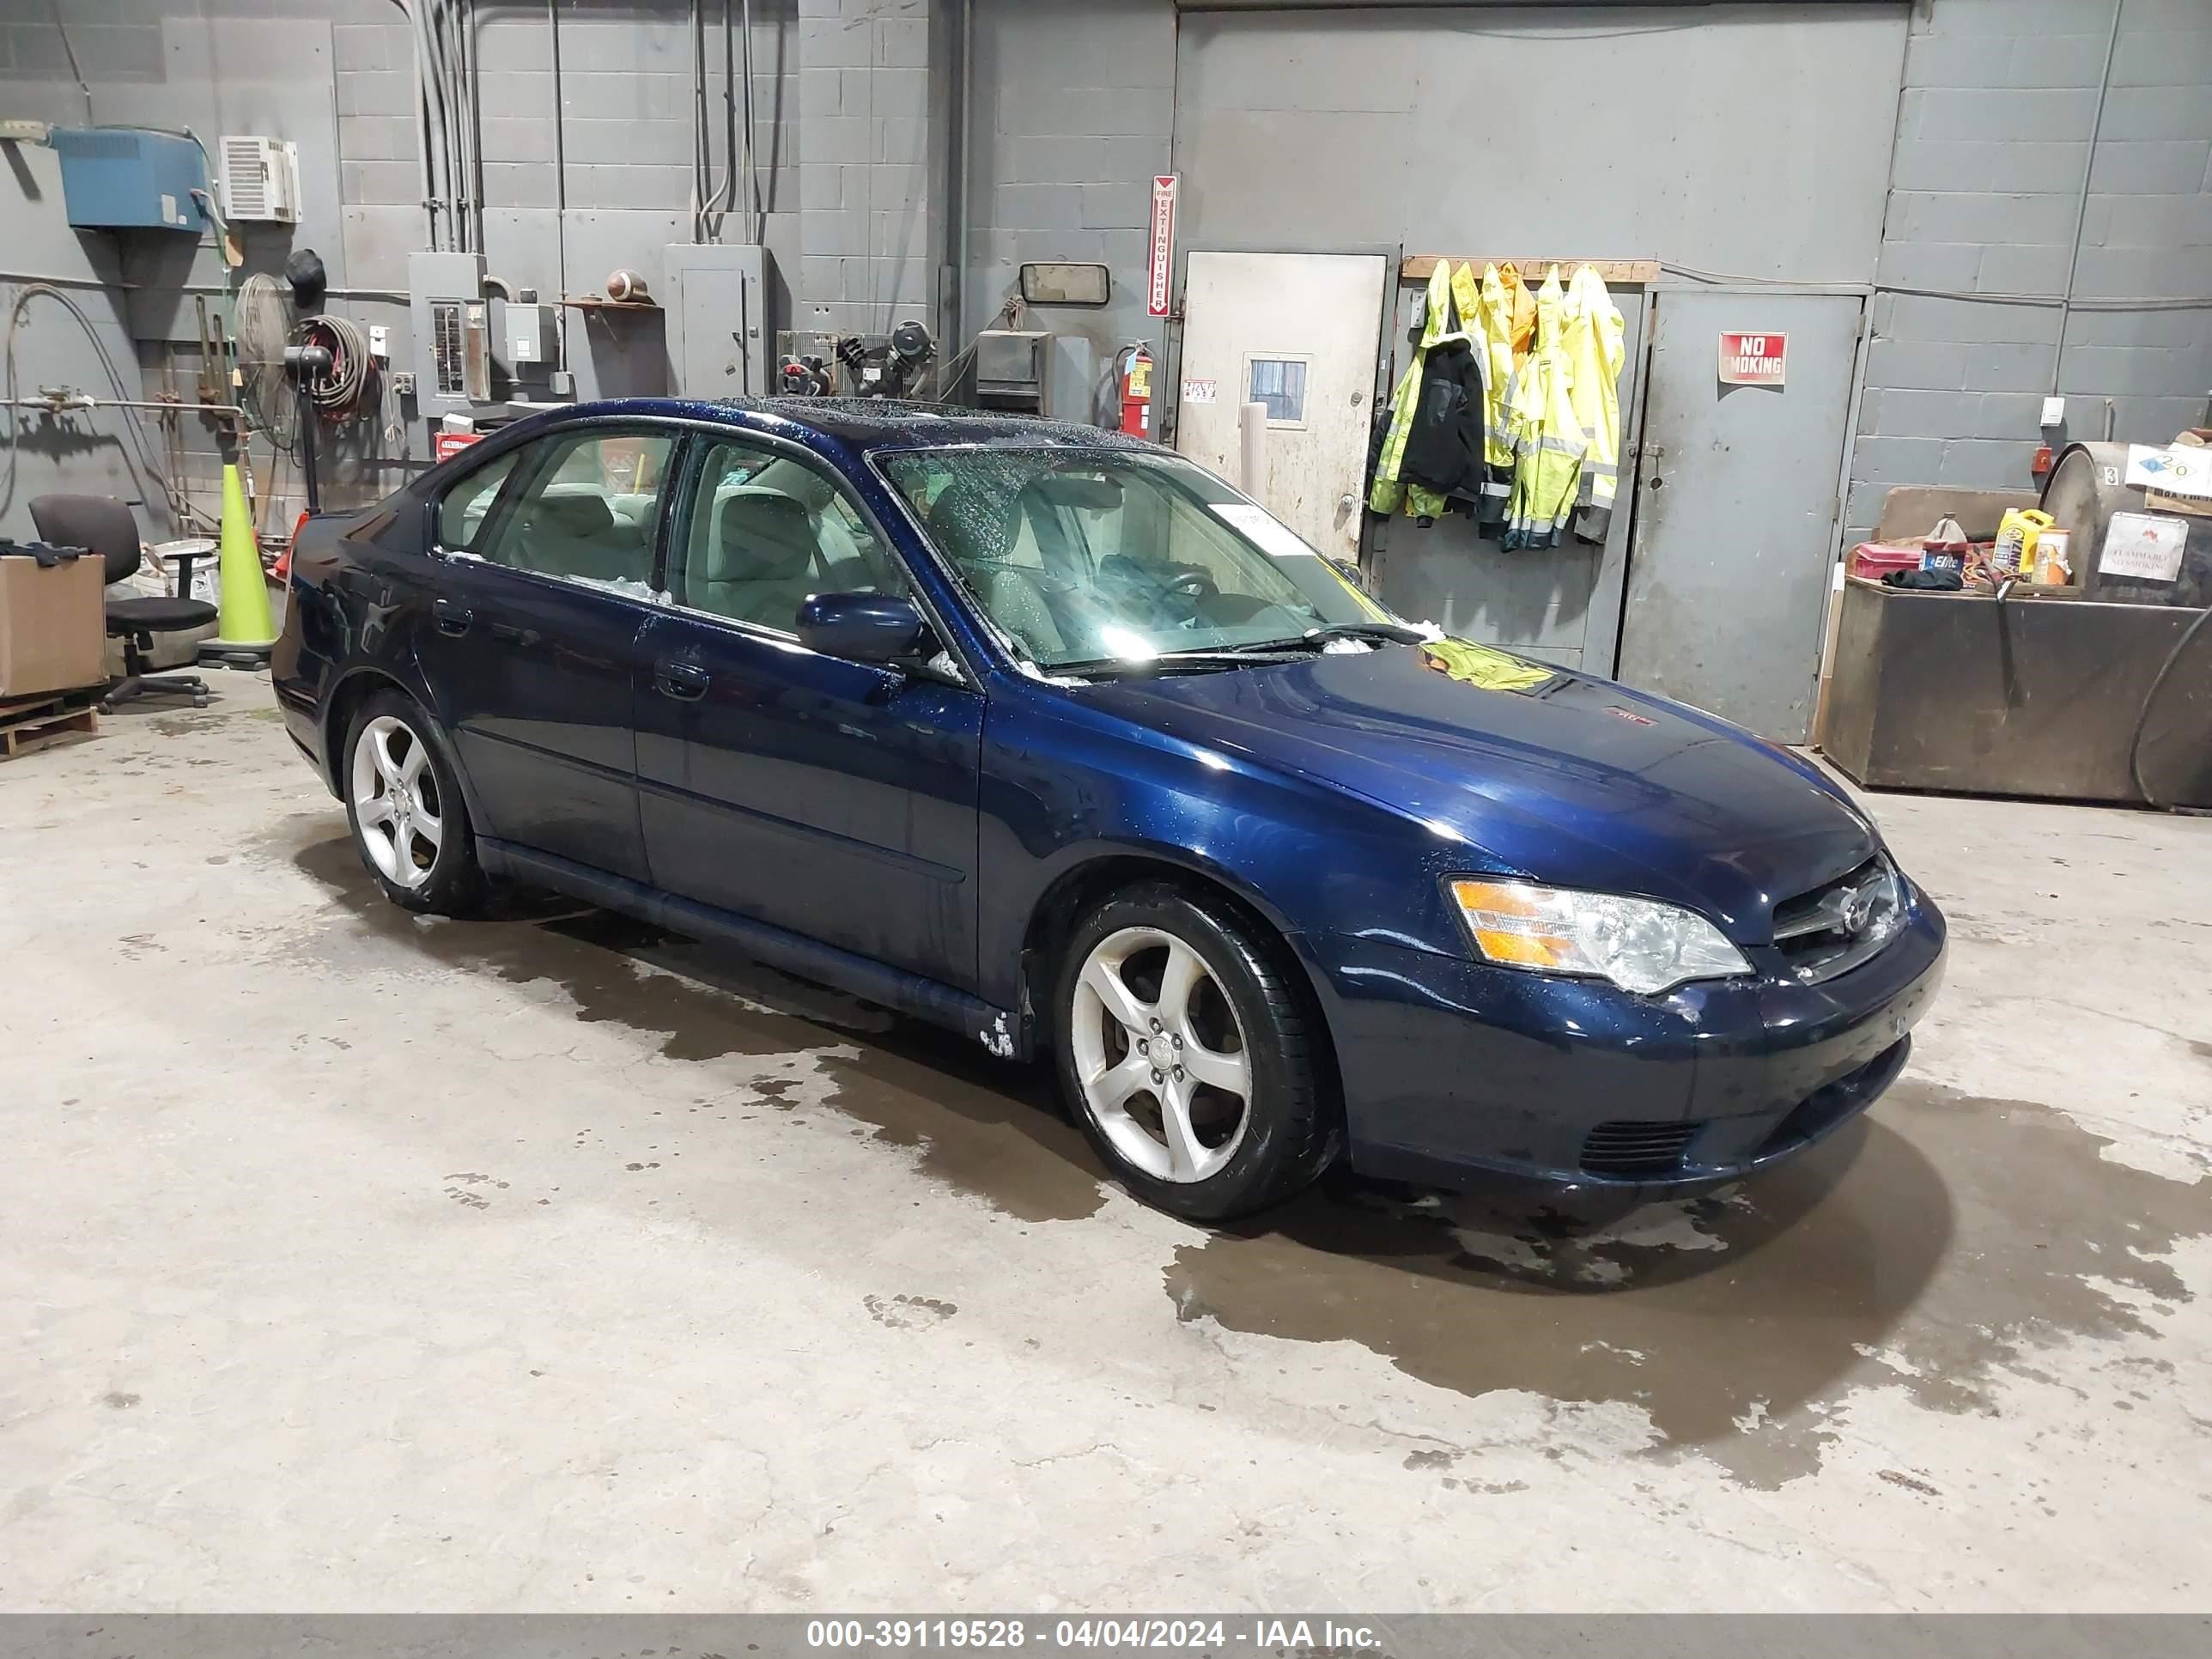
104	525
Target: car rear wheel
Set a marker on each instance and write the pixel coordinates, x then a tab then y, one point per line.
1188	1058
409	823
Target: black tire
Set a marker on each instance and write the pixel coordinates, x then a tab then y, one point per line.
1294	1116
451	882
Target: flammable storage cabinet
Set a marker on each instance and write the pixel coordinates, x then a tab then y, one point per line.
717	325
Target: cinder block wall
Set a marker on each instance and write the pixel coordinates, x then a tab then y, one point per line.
1074	113
866	234
1994	130
1074	110
337	76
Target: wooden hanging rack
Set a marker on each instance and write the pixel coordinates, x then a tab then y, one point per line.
1416	267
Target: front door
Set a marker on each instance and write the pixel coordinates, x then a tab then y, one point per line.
833	798
532	645
1300	333
1735	504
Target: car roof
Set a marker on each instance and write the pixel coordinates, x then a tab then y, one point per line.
874	423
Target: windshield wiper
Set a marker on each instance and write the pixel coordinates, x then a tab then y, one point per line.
1173	661
1381	633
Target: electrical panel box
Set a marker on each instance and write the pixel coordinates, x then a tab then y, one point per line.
1010	365
452	332
260	179
719	330
533	334
123	178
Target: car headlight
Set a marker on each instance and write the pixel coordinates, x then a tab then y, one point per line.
1639	944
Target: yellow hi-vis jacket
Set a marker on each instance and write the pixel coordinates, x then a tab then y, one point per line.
1439	324
1592	330
1492	312
1548	440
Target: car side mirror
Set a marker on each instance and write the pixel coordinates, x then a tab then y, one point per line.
876	628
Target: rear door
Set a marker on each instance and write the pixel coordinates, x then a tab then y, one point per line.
836	800
1299	332
535	642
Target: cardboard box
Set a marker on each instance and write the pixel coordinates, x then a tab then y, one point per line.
53	624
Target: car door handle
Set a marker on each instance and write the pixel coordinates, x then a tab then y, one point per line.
685	681
508	634
451	618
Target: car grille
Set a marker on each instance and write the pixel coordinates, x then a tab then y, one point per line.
1630	1147
1833	929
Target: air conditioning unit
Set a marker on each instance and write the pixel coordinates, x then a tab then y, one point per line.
260	179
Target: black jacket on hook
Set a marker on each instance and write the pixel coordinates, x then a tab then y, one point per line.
1445	445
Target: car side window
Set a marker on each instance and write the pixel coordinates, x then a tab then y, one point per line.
587	510
467	505
766	532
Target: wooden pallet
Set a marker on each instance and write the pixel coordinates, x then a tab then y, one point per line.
35	721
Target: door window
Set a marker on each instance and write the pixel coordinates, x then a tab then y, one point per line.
588	510
766	532
1281	383
467	505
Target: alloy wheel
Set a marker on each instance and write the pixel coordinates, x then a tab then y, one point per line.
396	801
1160	1055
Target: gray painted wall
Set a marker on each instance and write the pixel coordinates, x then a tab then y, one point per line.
336	76
1751	140
1993	131
1747	139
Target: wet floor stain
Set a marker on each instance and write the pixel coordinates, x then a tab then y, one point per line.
1930	1248
988	1128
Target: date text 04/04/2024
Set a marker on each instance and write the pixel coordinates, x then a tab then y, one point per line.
1183	1634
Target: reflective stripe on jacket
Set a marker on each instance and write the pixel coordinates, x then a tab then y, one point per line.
1492	311
1592	330
1549	446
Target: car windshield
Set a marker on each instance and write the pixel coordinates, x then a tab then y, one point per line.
1091	559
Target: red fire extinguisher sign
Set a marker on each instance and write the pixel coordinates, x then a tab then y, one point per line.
1137	394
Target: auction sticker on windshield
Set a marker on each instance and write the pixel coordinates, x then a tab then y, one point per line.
1262	528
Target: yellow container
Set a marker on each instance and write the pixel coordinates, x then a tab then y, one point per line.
2015	552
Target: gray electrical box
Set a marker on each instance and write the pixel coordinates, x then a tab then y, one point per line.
533	338
720	337
1010	366
452	332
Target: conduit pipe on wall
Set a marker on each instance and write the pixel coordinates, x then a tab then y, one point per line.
2081	208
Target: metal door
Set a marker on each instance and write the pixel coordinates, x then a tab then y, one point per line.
1300	333
1736	507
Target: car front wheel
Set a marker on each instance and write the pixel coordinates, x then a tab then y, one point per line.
409	823
1188	1056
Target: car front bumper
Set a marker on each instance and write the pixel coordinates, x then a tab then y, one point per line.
1454	1070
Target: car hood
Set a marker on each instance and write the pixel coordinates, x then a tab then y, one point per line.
1568	779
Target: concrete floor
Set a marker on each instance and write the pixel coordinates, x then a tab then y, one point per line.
353	1263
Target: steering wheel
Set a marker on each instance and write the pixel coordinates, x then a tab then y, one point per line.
1196	586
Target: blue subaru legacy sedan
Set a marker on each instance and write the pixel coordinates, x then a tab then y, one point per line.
1053	737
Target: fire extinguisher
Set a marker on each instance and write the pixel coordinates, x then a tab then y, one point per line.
1137	391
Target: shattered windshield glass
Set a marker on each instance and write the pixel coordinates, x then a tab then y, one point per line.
1083	557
